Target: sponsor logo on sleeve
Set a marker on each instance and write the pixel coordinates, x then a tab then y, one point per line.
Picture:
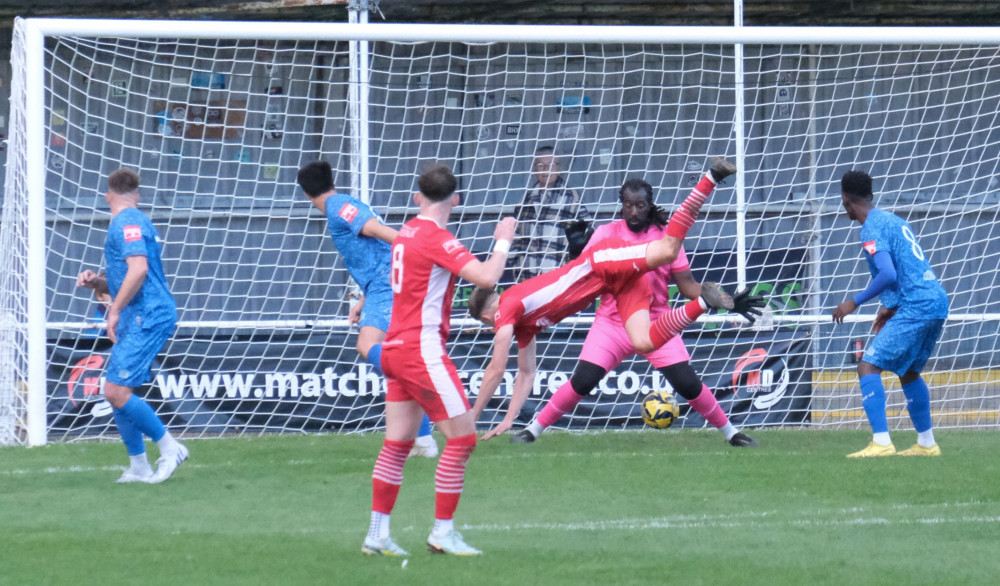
348	212
870	247
452	246
132	233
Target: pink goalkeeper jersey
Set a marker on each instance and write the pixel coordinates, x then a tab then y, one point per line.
658	279
425	261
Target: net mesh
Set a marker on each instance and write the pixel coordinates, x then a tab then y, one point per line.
217	130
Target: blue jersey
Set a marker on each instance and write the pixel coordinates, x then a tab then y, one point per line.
132	234
366	258
917	293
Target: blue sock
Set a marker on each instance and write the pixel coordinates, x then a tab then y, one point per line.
425	427
143	418
131	437
918	404
873	400
375	358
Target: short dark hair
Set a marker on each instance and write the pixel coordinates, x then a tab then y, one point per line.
316	178
123	181
857	185
437	182
478	299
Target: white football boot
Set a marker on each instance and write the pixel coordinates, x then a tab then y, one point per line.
450	542
169	462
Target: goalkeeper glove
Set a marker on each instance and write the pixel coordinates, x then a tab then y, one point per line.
749	306
578	233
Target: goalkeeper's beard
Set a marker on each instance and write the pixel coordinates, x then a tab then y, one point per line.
637	225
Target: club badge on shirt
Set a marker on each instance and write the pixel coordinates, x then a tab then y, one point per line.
870	247
348	212
132	233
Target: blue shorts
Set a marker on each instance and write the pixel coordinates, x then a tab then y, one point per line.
377	309
133	355
904	344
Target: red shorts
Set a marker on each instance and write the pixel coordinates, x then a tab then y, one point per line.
621	265
422	372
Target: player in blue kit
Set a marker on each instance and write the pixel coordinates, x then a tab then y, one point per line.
906	327
363	242
140	317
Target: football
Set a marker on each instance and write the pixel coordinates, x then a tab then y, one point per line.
659	409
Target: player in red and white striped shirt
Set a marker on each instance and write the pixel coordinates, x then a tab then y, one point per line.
610	266
426	259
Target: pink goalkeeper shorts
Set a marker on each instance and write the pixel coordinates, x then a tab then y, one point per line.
607	344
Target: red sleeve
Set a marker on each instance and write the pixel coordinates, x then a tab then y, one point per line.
448	252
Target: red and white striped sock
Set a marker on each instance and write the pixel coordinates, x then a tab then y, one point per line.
450	475
673	322
685	215
388	474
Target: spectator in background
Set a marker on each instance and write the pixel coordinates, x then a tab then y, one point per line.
549	208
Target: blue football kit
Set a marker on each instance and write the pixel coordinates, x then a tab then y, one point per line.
149	318
906	341
367	259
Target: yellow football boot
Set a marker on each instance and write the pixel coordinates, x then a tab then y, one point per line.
874	450
919	450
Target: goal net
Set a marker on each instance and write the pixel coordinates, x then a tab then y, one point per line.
218	117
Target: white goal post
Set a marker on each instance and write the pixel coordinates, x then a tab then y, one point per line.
218	116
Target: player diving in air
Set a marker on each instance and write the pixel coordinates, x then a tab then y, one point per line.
612	267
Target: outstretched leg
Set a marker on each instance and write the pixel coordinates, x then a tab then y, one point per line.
686	383
647	336
585	378
665	250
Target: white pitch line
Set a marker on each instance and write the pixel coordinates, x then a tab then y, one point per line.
730	523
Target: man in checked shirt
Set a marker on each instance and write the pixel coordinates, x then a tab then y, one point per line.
548	208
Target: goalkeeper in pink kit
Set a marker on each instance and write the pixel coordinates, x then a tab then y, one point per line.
607	343
531	306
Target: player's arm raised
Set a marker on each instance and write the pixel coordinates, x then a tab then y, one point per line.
486	274
493	374
523	382
376	229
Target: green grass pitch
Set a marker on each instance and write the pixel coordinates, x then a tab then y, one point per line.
679	507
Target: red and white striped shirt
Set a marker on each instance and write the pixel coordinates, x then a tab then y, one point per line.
425	262
608	267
